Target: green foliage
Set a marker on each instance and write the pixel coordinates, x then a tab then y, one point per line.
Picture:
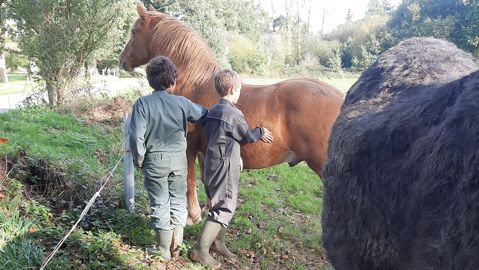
421	18
16	250
61	36
271	45
378	7
21	254
245	57
13	226
38	211
362	41
453	20
466	29
15	60
326	51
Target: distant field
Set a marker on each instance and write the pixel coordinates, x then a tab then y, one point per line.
17	84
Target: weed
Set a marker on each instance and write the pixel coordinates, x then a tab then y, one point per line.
21	254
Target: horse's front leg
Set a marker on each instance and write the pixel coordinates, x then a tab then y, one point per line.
194	210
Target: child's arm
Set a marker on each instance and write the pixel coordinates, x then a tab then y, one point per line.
242	134
137	134
197	113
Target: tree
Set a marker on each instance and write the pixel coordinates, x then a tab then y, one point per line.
3	35
61	36
349	16
425	18
466	29
378	7
362	40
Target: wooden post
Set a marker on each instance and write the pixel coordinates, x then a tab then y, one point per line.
129	173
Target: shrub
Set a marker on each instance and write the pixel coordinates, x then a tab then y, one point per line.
245	57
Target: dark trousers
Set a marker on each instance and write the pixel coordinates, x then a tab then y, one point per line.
222	186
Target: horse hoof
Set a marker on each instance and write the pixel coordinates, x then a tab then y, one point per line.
191	222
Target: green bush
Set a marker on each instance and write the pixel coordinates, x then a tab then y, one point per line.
325	51
245	57
273	48
15	61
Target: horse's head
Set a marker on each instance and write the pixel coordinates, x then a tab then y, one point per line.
155	33
136	51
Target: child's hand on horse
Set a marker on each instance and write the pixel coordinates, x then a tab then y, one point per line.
267	136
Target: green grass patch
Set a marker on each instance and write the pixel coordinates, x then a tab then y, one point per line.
15	87
342	84
16	77
59	161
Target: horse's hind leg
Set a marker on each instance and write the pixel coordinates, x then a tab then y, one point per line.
194	210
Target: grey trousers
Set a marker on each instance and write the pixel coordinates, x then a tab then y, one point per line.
165	181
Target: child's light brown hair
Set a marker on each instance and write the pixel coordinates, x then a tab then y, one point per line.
226	79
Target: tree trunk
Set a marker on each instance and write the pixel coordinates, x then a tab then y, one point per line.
3	33
3	69
52	95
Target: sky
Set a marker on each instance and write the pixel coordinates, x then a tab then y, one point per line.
336	10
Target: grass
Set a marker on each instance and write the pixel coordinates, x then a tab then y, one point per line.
55	160
17	85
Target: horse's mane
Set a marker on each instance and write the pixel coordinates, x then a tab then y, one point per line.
184	46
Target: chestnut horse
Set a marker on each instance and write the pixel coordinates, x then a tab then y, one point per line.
299	112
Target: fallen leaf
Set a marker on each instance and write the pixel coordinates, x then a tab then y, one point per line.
32	229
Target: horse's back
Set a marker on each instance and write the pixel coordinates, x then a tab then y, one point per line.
401	177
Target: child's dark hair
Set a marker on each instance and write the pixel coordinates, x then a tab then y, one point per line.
225	79
161	73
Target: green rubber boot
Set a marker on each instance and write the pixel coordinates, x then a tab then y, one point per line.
219	245
163	240
177	241
201	251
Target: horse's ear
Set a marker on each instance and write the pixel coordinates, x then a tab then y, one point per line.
141	10
151	8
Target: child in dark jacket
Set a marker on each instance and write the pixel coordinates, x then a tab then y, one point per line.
225	129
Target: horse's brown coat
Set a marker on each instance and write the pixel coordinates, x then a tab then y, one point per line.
299	112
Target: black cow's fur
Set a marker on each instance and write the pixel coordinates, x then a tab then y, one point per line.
402	176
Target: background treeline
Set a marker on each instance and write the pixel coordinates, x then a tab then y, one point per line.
243	35
65	38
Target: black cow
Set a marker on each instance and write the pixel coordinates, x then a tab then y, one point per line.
401	186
